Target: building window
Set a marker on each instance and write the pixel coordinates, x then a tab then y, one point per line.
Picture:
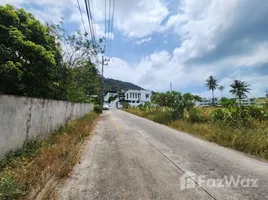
127	96
147	96
136	95
130	94
133	101
138	101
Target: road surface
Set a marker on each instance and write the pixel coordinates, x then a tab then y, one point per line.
129	157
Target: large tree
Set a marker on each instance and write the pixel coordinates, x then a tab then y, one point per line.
239	89
212	84
29	55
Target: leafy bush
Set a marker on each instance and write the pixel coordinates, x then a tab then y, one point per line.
239	117
228	103
97	109
194	115
258	113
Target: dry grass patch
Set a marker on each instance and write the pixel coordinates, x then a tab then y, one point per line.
28	169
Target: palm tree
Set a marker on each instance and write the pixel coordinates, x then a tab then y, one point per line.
211	84
239	89
221	88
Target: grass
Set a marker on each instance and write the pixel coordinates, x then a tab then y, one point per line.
253	141
31	167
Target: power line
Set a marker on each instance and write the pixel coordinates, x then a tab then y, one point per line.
79	8
91	11
89	16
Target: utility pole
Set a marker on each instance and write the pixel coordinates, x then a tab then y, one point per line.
103	63
170	86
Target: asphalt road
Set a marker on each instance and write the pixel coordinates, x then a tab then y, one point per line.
129	157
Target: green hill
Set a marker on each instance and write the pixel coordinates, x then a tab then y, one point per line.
112	85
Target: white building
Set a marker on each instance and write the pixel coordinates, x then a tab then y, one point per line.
208	101
137	97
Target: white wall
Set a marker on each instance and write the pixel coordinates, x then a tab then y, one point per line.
23	119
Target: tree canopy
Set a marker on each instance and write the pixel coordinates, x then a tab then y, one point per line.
34	63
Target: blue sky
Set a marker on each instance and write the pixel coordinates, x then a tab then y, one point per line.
156	42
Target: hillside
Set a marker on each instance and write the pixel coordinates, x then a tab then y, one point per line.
112	84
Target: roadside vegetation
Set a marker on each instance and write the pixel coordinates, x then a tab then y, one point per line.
243	128
45	61
24	172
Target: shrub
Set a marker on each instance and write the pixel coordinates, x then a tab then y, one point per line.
228	103
258	113
9	189
97	109
194	115
125	104
239	117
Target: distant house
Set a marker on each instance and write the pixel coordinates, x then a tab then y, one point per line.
207	102
137	97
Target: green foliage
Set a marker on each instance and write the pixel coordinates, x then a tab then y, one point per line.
228	103
194	115
112	98
176	101
33	63
125	104
30	149
9	189
97	109
258	113
29	55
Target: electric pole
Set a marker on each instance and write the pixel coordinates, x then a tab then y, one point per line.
103	63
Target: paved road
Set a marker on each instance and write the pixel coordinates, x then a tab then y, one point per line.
129	157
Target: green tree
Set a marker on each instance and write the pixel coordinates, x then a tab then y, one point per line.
221	88
85	83
29	56
239	89
212	84
177	101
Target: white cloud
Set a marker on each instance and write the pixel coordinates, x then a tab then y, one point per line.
138	42
140	18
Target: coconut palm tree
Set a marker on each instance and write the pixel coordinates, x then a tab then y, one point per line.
239	89
211	84
221	88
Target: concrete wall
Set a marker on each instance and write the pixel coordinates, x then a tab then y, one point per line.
24	119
